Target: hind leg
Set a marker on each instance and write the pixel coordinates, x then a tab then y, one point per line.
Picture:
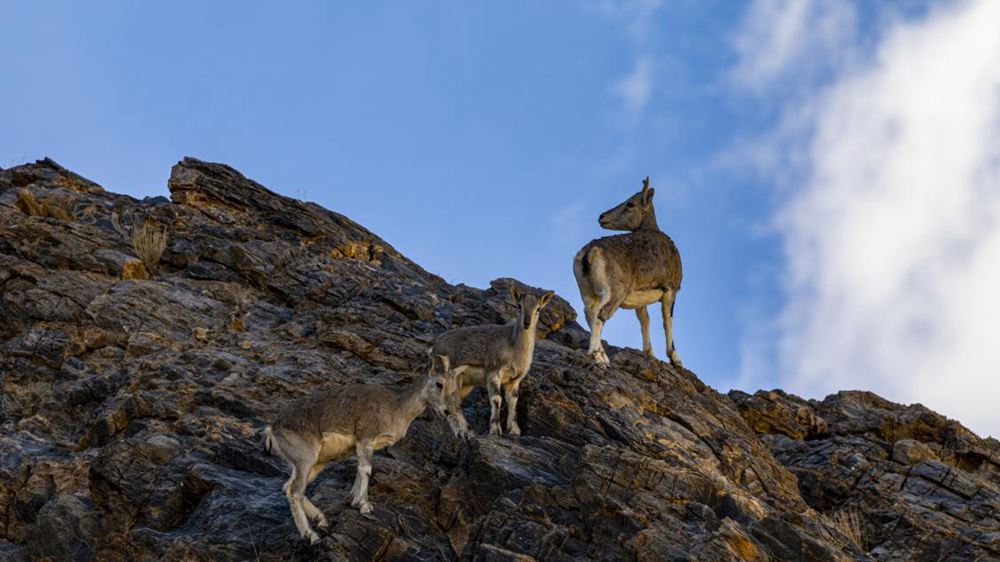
295	492
307	505
667	303
596	293
596	320
301	455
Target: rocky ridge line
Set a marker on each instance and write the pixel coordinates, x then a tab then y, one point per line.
132	402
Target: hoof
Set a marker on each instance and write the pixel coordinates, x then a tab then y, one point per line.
311	536
495	430
468	435
365	508
514	430
601	359
322	523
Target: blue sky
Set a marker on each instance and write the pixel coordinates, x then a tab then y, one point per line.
483	139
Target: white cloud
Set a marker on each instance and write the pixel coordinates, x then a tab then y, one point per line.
635	88
892	228
784	38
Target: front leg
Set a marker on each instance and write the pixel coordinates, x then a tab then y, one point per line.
456	419
511	391
365	450
643	316
493	389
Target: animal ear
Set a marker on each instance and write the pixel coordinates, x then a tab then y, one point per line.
647	192
445	363
546	298
514	294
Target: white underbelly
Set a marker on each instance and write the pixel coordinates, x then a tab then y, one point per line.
383	441
336	446
637	299
473	376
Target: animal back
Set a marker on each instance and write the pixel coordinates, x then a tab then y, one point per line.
336	410
475	346
650	257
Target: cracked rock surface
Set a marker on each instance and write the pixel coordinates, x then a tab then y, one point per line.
133	399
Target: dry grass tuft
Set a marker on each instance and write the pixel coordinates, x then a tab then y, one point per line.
848	522
148	241
28	204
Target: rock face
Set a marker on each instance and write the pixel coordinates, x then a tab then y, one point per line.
133	399
923	486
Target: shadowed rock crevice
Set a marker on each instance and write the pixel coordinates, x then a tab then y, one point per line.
131	410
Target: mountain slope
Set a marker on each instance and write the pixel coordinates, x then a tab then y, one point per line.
133	397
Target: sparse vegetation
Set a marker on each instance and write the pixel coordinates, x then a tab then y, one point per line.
242	301
30	205
148	241
848	522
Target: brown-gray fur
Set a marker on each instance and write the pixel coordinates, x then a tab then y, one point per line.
354	420
497	356
629	270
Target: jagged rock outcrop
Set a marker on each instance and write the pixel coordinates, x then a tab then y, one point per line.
923	487
133	398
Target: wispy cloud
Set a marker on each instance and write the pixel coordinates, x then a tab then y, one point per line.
891	229
781	39
635	88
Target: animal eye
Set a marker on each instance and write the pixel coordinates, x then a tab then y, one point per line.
631	204
440	385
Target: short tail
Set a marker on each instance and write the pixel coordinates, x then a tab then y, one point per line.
268	440
587	259
582	260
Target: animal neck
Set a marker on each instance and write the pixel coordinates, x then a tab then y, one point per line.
649	221
411	401
524	339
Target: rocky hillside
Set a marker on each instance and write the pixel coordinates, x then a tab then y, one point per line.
133	395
